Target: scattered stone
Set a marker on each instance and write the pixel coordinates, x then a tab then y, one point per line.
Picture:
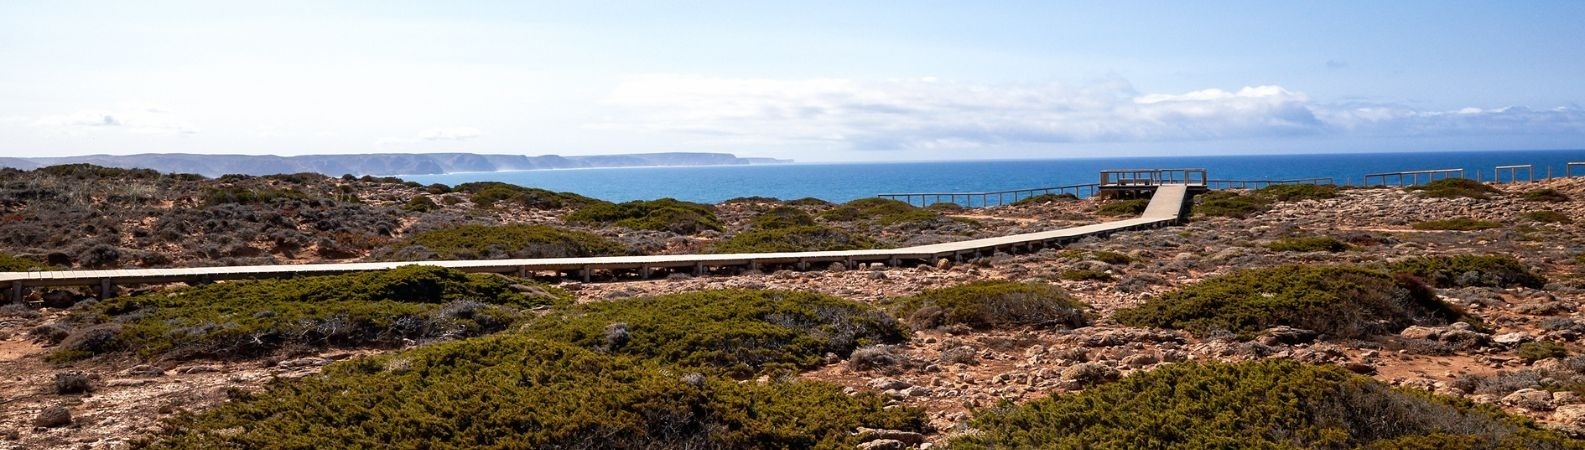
304	362
1286	335
1570	415
1515	338
197	369
54	416
883	444
1531	399
905	437
1140	360
1360	368
145	370
889	384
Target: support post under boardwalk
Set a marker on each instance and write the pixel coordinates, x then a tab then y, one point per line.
16	291
107	289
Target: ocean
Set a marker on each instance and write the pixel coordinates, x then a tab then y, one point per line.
840	182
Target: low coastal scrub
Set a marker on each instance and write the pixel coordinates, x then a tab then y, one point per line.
737	332
1046	198
808	238
658	215
254	318
781	217
1340	301
1457	224
1470	270
1455	188
516	391
808	201
505	241
992	304
1296	192
882	211
1123	207
1548	216
1309	244
10	263
1266	404
1113	258
487	194
1230	204
245	196
1545	195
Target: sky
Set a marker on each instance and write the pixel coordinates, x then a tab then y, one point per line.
807	80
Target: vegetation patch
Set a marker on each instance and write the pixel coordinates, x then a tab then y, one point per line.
515	391
881	211
507	241
1230	204
808	238
245	196
10	263
1109	257
253	318
1339	301
751	200
782	217
1456	187
1548	216
992	304
1046	198
1123	207
739	332
1268	404
1309	244
1470	270
1085	275
808	201
1296	192
658	215
1535	351
1457	224
487	194
1545	195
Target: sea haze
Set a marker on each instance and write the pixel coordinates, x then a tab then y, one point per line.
848	181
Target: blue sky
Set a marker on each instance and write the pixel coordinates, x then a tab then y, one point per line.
813	81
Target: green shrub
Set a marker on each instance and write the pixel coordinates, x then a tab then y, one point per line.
1457	224
752	200
1456	187
1340	301
1230	204
1470	270
794	239
740	332
420	204
659	215
808	201
1545	195
1548	216
1046	198
782	217
83	171
513	391
10	263
1535	351
512	241
1267	404
486	194
1296	192
1085	275
992	304
1123	207
881	211
946	207
1113	258
1308	244
250	318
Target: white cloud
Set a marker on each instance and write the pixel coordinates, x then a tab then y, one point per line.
147	120
449	134
935	114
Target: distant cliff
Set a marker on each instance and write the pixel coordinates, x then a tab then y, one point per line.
381	163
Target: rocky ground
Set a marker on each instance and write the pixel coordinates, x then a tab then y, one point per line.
951	372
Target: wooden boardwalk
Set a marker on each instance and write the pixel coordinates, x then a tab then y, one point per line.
1166	208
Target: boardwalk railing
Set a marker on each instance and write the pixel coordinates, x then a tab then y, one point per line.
1568	169
996	198
1513	173
1257	184
1152	177
1411	177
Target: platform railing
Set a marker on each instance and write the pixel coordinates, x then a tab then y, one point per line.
1411	177
991	198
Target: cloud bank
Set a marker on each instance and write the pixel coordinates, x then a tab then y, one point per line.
933	114
133	120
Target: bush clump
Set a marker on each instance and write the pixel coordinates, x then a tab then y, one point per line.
992	304
511	241
1309	244
253	318
1123	207
1456	187
1535	351
1457	224
10	263
244	196
1267	404
515	391
1470	270
809	238
1296	192
740	332
1545	195
1046	198
781	217
658	215
1230	204
1548	216
882	211
486	194
1340	301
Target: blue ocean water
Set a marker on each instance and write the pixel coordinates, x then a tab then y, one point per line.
841	182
